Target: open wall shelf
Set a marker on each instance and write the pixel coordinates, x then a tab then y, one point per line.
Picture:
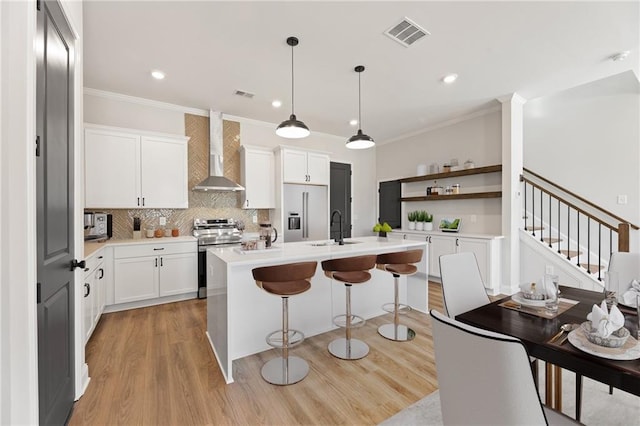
465	172
493	194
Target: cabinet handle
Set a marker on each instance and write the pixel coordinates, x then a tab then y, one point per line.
161	263
156	249
247	203
87	289
457	242
101	273
100	257
156	262
142	201
138	201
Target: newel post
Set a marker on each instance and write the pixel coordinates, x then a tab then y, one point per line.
623	237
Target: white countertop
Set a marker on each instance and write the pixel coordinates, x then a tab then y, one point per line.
91	247
298	251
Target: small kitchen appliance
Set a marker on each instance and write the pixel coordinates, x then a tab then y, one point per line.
98	229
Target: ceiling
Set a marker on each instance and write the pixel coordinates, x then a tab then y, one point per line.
208	50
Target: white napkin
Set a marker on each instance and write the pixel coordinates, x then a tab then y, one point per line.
605	322
629	296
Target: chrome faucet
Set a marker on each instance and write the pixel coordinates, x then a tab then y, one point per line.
340	239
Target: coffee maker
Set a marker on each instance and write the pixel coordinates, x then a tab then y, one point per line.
97	226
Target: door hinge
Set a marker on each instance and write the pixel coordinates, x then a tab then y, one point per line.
38	293
38	140
38	5
351	199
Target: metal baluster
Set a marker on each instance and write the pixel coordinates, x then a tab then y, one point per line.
578	263
541	226
525	205
610	242
599	249
559	251
550	236
568	232
533	210
588	244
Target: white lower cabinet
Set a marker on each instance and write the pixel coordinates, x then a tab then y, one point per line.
487	251
149	271
94	294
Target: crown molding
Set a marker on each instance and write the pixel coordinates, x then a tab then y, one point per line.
145	102
442	124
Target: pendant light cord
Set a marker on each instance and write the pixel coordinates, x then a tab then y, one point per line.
359	104
292	106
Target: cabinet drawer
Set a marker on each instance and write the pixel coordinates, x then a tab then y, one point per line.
161	248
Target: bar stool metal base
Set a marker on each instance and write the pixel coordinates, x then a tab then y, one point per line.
396	332
285	371
348	349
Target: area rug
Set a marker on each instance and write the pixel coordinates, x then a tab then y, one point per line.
598	407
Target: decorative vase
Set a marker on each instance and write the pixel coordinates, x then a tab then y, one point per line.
412	226
382	234
428	226
419	226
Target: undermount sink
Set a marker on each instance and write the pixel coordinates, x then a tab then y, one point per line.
333	243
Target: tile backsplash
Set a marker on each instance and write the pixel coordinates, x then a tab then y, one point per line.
201	204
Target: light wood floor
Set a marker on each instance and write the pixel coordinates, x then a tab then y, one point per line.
154	366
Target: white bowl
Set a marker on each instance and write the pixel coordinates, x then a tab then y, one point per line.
615	340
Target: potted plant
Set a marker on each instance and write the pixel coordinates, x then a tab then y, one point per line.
412	220
382	229
420	220
428	221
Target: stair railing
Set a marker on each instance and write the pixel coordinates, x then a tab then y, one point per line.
567	202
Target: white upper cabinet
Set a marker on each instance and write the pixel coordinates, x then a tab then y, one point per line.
258	177
305	167
164	172
134	169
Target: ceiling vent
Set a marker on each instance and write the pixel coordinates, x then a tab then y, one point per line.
244	94
406	32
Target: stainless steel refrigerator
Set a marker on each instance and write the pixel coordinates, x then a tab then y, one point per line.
306	212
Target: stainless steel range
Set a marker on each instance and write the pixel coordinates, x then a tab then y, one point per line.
212	233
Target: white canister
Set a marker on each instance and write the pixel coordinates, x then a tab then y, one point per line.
421	170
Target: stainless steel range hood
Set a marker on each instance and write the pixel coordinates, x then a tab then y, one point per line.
216	181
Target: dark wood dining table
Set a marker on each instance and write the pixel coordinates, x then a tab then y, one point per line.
535	332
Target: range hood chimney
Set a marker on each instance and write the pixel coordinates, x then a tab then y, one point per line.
216	181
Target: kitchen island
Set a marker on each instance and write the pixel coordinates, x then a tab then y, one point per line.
240	314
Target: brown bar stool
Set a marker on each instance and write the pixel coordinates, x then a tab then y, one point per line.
398	263
285	281
349	270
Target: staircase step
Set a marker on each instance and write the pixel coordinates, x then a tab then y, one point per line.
591	267
552	240
570	253
534	228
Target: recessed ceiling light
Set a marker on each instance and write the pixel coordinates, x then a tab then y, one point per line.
276	103
449	78
620	56
353	122
158	75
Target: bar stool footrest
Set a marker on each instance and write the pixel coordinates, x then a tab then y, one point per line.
356	321
274	339
403	309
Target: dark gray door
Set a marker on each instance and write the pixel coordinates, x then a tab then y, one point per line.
340	198
54	189
389	195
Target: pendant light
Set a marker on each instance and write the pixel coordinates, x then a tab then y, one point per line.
292	128
360	140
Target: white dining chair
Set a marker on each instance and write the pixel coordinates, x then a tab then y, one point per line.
627	265
494	386
462	286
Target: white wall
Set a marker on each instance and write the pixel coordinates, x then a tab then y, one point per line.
586	139
477	138
363	165
18	327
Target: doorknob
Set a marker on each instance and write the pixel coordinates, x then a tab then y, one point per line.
75	264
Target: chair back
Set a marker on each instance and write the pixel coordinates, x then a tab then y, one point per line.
627	265
484	377
462	286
